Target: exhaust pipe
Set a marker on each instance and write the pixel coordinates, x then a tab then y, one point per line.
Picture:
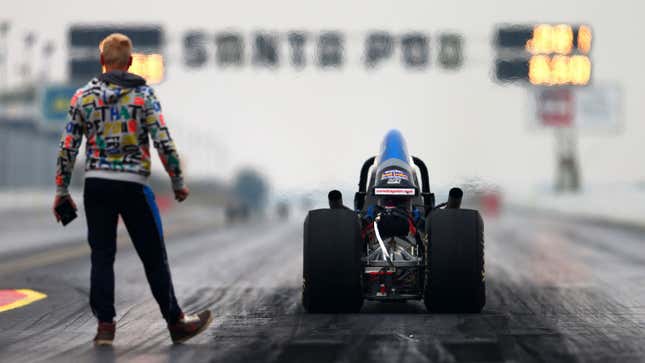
454	198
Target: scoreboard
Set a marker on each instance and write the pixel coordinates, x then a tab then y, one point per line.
544	54
147	58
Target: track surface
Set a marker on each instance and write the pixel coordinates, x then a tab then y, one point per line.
558	290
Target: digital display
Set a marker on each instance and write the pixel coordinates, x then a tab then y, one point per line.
544	54
148	36
84	41
559	70
148	66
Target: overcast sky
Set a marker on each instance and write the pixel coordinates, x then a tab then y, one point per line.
315	127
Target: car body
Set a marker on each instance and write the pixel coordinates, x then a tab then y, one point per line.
396	244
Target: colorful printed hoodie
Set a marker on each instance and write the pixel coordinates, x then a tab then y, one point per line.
116	112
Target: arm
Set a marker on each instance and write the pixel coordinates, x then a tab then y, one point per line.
68	147
162	141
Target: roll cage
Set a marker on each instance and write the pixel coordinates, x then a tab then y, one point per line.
361	195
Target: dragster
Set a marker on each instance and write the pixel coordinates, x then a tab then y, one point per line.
396	244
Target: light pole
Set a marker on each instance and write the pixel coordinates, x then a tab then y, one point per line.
4	83
4	55
48	49
29	40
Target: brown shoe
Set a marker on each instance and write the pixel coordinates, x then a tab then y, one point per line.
105	333
189	325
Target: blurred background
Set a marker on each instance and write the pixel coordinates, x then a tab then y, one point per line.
533	108
537	102
532	105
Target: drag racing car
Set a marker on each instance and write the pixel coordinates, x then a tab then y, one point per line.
396	245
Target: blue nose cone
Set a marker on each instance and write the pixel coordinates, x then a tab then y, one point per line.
394	147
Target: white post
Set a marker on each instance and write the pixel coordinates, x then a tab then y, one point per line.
567	167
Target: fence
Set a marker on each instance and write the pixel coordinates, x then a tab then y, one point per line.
27	154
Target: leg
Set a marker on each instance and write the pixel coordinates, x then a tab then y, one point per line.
102	218
141	217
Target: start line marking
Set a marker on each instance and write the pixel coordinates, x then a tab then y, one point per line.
13	299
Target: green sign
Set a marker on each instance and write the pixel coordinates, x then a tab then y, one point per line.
55	103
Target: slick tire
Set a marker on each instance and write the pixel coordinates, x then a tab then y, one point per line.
455	275
332	262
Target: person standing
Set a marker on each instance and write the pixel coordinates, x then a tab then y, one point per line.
118	113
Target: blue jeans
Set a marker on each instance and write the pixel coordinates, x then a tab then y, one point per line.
104	201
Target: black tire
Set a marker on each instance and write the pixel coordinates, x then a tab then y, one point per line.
455	275
332	262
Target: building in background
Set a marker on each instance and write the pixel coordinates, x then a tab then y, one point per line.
33	116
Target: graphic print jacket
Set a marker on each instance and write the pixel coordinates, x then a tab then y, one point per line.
118	114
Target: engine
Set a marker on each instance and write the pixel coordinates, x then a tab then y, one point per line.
394	256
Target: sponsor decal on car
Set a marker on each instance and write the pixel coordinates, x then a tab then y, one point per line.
394	176
394	191
394	173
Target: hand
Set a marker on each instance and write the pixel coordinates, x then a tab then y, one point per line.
182	194
58	200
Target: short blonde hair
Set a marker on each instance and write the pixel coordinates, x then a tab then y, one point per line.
116	49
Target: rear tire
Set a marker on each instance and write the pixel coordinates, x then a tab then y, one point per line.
332	262
455	275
